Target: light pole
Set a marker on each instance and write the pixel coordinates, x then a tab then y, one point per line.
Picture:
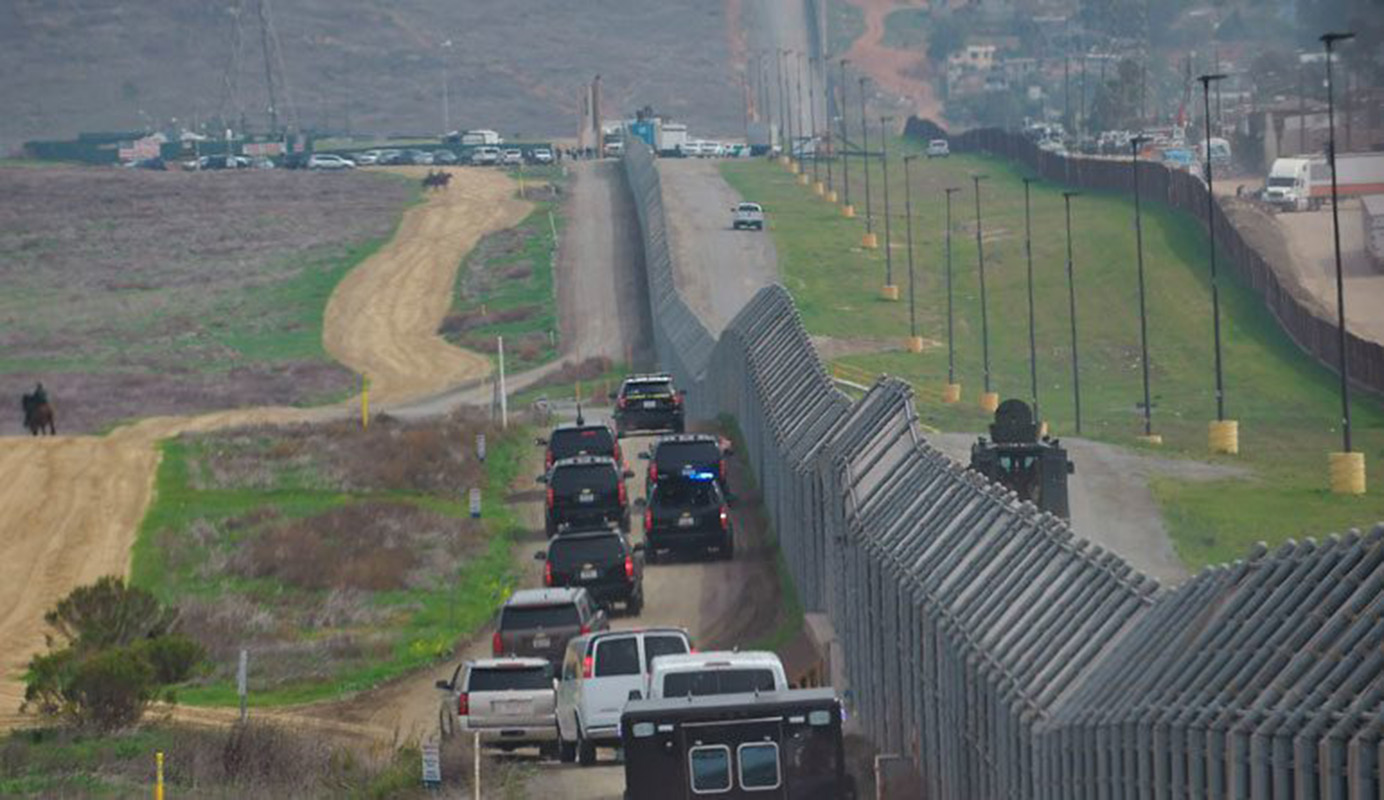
890	291
989	400
847	209
1134	145
784	150
446	90
1224	434
871	241
953	390
1071	298
812	118
1032	321
799	128
915	342
1347	468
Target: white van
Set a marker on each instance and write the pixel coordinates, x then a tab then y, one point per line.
715	673
485	156
599	672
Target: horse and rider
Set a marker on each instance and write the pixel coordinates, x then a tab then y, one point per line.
38	412
437	179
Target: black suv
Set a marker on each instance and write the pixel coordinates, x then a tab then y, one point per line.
581	439
688	455
687	514
648	402
601	561
586	491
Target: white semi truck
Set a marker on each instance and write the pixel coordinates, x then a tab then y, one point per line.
1303	184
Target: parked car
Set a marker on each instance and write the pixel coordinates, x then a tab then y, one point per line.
294	161
747	215
775	745
221	162
509	702
683	455
687	514
368	158
715	673
538	623
581	439
585	491
329	161
485	156
446	157
600	672
648	402
541	155
419	157
690	149
512	157
601	561
391	158
938	148
156	163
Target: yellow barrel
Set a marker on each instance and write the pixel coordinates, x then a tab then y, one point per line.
951	393
819	188
1347	473
915	344
848	211
869	241
831	196
989	401
889	292
804	179
1223	436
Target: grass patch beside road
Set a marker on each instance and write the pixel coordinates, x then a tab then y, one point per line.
339	557
1286	402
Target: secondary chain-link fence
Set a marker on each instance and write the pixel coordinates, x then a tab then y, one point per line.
1005	656
1310	328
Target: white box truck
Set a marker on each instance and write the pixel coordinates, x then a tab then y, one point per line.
672	138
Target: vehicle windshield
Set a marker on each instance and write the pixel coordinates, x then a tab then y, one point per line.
567	551
500	679
671	457
636	390
718	681
574	478
594	441
1281	182
517	618
685	493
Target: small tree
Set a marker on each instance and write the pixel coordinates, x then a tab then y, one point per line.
112	652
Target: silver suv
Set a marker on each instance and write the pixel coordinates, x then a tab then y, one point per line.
509	702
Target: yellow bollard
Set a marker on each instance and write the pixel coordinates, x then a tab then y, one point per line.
794	167
848	211
989	401
1152	439
951	393
869	241
785	160
364	401
804	179
889	292
158	775
914	344
831	196
819	189
1042	430
1223	436
1347	473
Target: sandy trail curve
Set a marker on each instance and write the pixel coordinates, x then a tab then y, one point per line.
906	73
70	506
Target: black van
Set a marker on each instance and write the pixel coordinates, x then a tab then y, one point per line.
774	745
585	491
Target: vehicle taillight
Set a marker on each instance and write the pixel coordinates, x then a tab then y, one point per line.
586	664
648	520
548	574
463	704
624	496
497	645
629	568
725	519
653	473
550	497
677	399
548	460
621	402
586	629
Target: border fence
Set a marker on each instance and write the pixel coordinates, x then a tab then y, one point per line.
1313	330
1006	657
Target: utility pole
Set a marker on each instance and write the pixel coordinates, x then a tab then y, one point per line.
784	150
846	208
446	89
799	120
915	342
1071	298
812	115
953	391
1032	321
1225	434
1134	145
870	240
988	401
890	292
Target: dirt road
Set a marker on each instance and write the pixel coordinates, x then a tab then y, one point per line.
905	73
70	506
717	269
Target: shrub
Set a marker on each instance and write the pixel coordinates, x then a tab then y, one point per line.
172	657
109	613
110	689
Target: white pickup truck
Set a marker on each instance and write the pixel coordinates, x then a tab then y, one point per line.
715	673
748	215
510	702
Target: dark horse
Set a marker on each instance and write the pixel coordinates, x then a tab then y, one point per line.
436	179
38	415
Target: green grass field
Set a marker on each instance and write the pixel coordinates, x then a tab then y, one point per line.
421	622
1286	403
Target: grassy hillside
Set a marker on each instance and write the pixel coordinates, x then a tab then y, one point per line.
1286	403
362	65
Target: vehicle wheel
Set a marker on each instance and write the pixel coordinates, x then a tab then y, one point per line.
549	528
586	751
566	751
548	752
679	427
728	549
650	555
635	605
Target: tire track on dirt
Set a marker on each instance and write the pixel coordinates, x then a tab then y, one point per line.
70	506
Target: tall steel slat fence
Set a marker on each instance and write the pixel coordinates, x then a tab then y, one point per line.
1005	656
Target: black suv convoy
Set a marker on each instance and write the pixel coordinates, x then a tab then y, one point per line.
581	439
648	402
688	455
603	562
688	514
586	491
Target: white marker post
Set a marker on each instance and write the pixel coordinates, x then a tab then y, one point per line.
476	779
432	764
504	401
480	447
242	683
475	503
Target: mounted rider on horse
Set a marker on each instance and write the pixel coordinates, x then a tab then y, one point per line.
38	412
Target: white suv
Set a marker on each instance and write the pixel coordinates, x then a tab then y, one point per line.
726	672
329	161
938	148
600	671
748	215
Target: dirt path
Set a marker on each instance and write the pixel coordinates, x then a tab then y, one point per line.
70	507
906	73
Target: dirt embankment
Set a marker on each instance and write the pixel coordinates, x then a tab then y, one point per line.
70	507
905	73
